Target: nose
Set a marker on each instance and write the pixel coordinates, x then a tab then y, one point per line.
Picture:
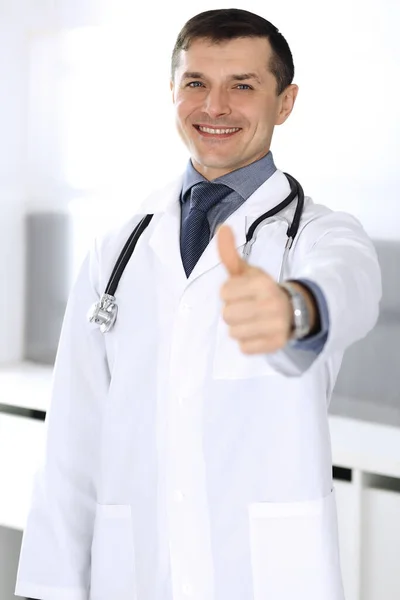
217	103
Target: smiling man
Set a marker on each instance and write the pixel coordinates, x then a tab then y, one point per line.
226	113
188	453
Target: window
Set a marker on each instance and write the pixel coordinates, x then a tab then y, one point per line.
101	125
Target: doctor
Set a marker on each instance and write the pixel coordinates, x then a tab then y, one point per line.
188	453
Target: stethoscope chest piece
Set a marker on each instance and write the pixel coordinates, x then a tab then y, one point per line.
104	313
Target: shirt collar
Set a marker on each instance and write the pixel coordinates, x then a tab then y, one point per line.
244	181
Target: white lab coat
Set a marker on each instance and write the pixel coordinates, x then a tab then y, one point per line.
174	459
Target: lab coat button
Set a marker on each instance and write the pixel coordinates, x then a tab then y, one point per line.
187	590
179	496
185	308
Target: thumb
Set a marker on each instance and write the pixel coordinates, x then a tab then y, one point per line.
229	256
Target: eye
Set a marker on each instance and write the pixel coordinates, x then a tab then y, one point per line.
242	85
190	84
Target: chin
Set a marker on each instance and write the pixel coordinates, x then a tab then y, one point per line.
212	163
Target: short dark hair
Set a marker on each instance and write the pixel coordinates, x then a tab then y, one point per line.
232	23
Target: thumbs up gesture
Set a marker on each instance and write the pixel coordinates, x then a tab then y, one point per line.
258	311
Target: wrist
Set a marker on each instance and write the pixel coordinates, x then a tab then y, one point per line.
305	313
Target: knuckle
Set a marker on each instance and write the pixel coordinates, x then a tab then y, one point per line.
244	347
223	293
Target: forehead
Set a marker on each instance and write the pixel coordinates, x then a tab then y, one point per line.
238	55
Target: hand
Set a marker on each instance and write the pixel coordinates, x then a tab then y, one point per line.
258	311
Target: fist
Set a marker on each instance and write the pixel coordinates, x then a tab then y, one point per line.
256	309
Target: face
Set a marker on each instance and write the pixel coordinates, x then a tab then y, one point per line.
228	87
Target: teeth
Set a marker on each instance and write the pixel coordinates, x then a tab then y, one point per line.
218	131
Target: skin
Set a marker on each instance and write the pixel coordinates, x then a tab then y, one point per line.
229	85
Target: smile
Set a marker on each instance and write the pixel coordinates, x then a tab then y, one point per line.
220	132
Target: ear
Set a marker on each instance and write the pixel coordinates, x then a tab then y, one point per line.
286	103
172	88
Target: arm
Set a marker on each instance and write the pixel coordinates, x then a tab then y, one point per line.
335	253
55	554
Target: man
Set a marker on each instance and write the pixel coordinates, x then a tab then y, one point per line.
188	451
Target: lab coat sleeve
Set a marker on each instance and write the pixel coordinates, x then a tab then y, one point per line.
334	252
55	555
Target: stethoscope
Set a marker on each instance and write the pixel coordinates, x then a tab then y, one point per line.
104	313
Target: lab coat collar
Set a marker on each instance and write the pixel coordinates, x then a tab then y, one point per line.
165	237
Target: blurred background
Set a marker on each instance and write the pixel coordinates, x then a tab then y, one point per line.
85	109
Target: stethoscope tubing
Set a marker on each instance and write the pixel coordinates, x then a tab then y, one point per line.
104	312
126	253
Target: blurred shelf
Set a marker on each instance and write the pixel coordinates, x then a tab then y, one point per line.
21	452
26	385
377	410
365	436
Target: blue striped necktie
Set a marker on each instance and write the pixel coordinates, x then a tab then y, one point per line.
195	234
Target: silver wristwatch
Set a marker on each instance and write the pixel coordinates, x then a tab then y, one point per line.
301	315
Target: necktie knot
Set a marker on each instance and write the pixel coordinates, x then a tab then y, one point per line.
206	194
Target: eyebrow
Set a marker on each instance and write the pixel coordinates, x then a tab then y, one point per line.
235	77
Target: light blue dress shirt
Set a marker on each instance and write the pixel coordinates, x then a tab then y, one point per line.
243	183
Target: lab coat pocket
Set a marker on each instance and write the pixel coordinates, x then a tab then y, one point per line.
113	568
229	362
294	550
